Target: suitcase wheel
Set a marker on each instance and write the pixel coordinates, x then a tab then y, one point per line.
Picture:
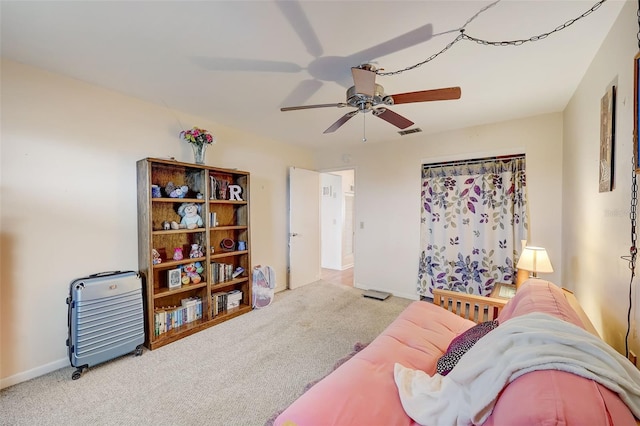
138	350
78	373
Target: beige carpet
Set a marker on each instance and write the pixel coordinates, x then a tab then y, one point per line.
237	373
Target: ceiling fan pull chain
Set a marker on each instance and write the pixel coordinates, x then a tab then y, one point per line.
364	127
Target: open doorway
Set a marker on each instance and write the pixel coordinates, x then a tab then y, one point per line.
337	226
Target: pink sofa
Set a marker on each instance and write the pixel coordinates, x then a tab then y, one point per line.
363	391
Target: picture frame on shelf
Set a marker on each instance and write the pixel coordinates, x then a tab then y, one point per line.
174	278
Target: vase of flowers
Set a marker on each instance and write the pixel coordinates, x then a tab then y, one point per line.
199	140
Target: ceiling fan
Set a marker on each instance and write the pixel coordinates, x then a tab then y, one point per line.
367	96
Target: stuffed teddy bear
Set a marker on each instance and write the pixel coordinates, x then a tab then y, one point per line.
190	217
173	191
191	273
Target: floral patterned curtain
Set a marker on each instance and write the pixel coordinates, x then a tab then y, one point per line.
474	217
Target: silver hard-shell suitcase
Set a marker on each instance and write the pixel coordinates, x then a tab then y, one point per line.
106	318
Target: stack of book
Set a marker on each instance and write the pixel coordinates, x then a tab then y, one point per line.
234	297
219	301
225	301
221	272
170	317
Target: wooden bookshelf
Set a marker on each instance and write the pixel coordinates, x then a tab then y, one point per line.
210	189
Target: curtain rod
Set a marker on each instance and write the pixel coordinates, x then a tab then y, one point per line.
473	161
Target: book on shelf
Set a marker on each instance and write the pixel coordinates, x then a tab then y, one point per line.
219	301
221	272
170	317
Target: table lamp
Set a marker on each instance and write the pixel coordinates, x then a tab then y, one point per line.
534	260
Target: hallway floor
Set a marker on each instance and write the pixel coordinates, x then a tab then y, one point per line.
344	277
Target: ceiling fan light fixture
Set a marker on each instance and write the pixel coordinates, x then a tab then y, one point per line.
365	95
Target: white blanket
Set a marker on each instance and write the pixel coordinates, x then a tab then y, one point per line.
518	346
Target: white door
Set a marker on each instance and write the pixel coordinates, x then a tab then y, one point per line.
304	227
347	231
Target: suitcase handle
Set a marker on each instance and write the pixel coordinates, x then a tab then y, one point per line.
102	274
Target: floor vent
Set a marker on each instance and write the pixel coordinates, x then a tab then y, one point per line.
408	132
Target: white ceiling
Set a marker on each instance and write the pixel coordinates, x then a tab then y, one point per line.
239	62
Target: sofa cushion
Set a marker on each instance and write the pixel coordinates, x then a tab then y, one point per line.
362	391
549	396
536	295
461	344
554	397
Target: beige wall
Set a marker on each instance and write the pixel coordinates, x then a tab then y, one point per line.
596	226
69	199
388	193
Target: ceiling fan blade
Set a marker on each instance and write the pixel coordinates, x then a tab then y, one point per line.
392	117
295	108
365	81
335	126
444	94
419	35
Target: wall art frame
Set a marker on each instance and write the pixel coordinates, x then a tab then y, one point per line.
636	110
607	139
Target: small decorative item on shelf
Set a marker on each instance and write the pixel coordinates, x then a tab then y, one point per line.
242	245
223	185
214	187
177	253
166	225
155	191
227	244
235	192
196	251
190	216
238	271
173	191
191	273
156	256
199	140
173	278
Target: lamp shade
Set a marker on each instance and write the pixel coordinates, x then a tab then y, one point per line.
534	259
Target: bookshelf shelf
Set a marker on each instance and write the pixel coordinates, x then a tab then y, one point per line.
184	309
178	231
224	284
229	227
232	313
220	255
170	264
170	292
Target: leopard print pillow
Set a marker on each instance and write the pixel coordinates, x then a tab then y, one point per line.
461	344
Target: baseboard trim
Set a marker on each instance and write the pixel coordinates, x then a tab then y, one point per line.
33	373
